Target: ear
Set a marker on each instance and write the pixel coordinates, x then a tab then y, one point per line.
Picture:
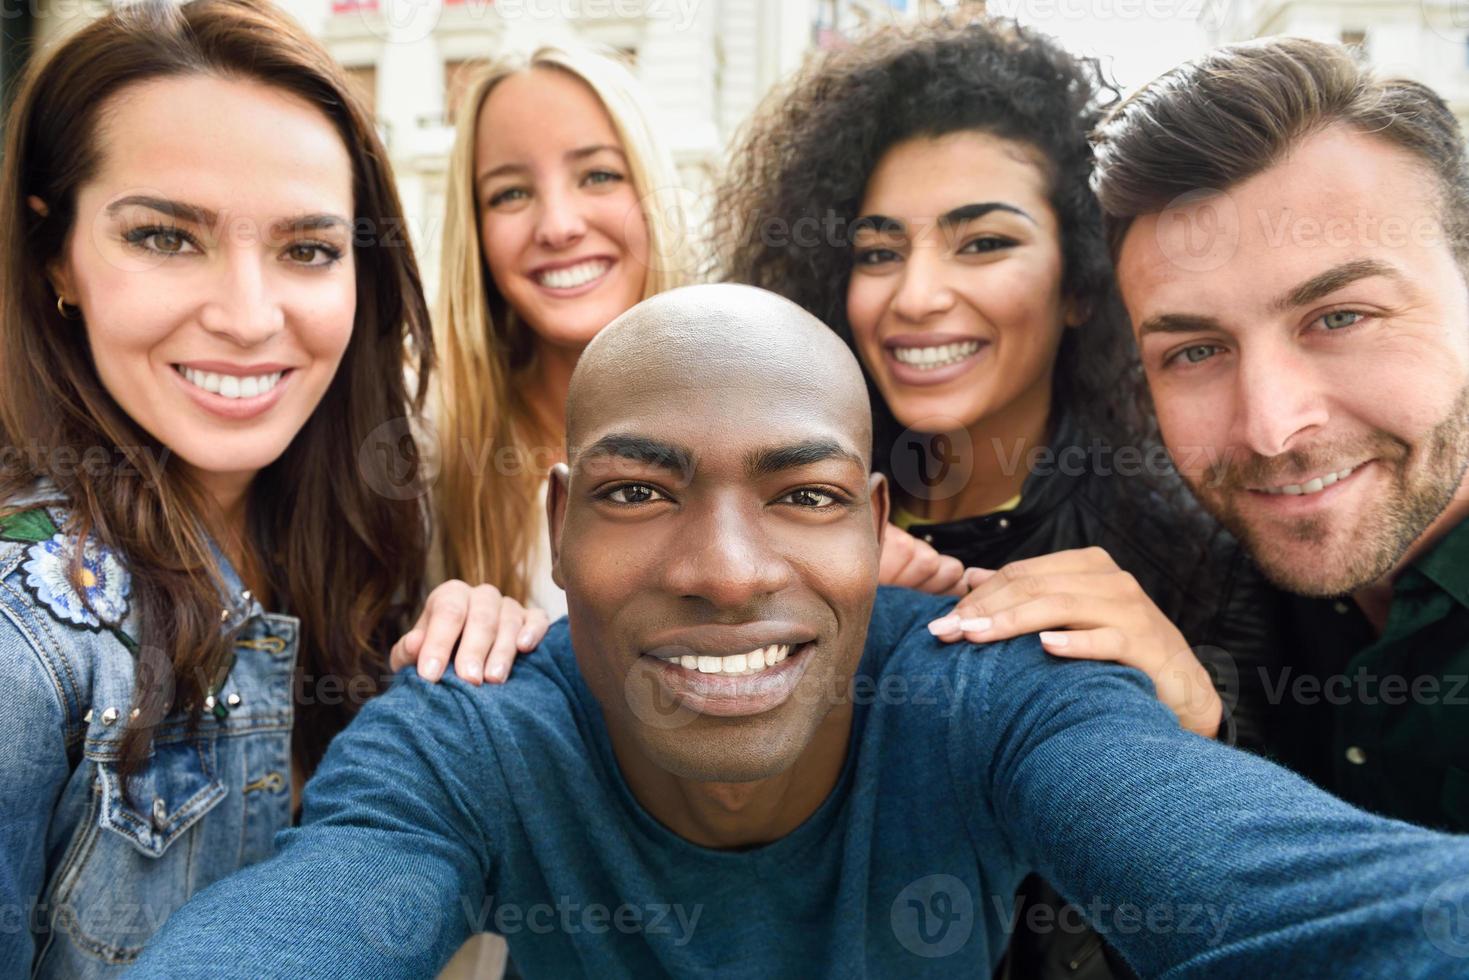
558	485
877	493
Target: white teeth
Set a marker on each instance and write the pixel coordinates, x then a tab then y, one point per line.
1315	485
230	385
928	358
738	664
574	276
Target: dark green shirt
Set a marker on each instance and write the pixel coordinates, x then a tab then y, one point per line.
1383	721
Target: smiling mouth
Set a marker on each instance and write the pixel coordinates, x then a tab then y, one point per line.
739	664
230	385
930	358
574	276
1315	485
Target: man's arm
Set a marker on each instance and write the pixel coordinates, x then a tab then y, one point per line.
1193	858
392	851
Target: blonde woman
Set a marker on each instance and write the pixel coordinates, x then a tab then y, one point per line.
562	213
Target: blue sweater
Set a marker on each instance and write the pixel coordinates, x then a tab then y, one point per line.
444	810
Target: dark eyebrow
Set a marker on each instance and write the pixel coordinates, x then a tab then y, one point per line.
641	449
194	214
969	212
1325	283
174	209
309	222
764	462
1178	323
879	223
580	153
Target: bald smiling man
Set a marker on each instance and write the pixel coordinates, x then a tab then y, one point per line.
740	758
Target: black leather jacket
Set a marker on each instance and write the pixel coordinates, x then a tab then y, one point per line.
1195	572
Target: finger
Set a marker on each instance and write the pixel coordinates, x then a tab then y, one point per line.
449	610
974	576
1103	643
537	621
947	579
1076	561
405	651
502	654
897	545
1062	611
486	610
1114	587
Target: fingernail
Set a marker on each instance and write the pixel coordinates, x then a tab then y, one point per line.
1055	639
429	669
525	639
946	624
496	673
977	625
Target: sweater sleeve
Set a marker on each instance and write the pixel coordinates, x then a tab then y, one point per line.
382	877
1192	858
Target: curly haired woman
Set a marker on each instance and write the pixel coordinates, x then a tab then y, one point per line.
926	193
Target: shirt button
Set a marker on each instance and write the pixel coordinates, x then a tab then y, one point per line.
928	539
1341	607
160	812
1356	756
1004	523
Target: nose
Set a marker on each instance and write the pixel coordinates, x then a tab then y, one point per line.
922	292
244	308
729	561
560	223
1280	399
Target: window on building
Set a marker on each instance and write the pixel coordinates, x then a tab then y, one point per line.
1356	39
363	78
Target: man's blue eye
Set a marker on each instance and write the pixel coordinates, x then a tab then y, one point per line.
1340	319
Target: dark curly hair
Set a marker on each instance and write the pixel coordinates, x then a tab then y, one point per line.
798	173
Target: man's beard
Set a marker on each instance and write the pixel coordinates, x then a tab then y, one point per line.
1422	482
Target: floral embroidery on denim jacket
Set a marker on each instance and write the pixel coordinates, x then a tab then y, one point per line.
102	601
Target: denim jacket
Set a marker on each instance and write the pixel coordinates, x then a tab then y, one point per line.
87	875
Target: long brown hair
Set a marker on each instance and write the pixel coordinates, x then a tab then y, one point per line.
486	430
342	556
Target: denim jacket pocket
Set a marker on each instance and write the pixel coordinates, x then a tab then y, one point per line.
179	785
132	865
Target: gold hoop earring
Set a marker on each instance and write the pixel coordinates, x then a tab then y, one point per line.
67	311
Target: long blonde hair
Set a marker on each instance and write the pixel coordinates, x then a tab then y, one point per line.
488	484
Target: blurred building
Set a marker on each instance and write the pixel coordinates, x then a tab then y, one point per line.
1426	40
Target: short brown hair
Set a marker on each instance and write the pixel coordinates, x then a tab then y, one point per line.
1214	122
